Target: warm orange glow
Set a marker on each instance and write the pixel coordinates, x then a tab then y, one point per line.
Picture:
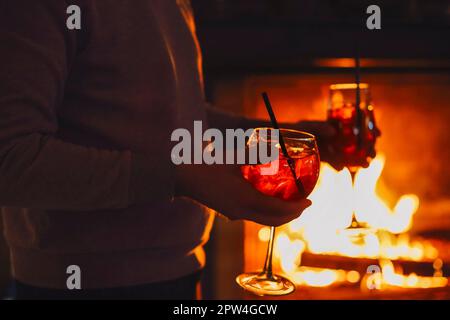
344	86
382	233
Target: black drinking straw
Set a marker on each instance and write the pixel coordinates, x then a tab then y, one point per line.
290	162
359	116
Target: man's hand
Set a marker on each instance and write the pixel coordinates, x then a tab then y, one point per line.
326	136
222	188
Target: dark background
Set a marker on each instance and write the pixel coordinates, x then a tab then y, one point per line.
288	35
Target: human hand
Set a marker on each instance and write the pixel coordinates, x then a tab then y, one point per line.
223	189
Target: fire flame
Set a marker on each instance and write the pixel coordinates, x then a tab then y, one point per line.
381	234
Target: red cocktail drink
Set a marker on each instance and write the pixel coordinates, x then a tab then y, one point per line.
291	176
281	184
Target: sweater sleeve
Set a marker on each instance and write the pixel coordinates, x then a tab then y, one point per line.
38	170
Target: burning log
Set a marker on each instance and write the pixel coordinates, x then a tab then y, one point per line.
423	268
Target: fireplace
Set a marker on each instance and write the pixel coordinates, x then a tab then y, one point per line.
295	50
401	247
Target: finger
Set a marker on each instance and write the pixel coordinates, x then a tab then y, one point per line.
274	220
336	160
269	210
276	205
280	219
319	128
377	132
337	166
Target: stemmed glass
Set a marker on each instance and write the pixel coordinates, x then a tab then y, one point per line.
350	109
303	157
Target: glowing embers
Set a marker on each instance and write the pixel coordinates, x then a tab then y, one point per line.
380	239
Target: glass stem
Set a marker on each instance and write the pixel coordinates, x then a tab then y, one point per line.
353	175
268	263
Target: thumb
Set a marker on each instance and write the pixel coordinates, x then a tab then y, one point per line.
280	207
320	129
